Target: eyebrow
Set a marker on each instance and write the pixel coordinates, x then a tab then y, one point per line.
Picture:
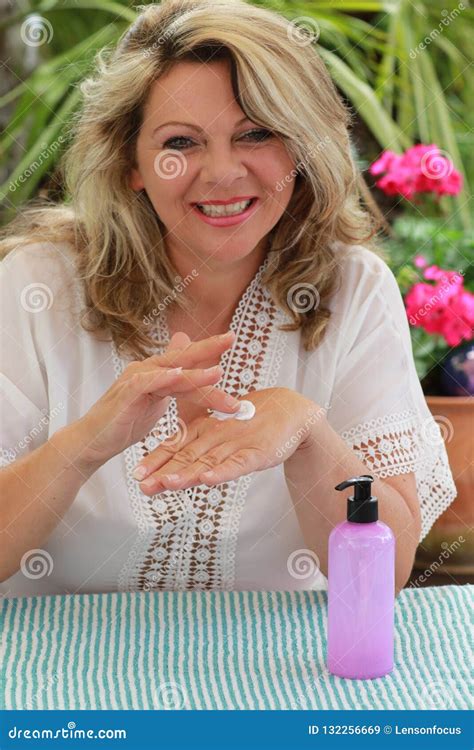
190	125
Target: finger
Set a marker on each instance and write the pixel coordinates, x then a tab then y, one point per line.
240	462
190	445
243	461
195	352
181	472
156	379
166	450
193	385
156	383
213	398
179	340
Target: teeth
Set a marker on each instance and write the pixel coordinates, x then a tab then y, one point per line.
230	210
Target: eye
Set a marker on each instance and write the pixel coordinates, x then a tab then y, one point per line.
181	142
177	142
258	134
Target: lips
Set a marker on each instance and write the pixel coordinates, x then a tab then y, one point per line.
226	220
237	199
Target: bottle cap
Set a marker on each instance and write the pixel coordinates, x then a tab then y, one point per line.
362	507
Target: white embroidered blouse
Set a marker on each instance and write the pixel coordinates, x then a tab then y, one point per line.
241	534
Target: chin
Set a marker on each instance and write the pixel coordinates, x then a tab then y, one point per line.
232	253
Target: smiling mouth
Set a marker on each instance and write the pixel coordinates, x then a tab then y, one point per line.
231	209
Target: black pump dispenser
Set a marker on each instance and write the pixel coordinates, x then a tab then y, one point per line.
362	507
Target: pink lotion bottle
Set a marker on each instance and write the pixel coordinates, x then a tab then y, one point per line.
361	589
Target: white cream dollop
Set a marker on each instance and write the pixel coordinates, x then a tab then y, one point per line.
246	411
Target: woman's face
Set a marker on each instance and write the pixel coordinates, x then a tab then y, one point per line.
214	154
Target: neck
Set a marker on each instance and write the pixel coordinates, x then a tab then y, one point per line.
216	287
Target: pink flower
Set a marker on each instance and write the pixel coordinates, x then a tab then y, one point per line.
455	329
413	156
420	261
451	185
444	308
421	169
433	272
388	160
397	182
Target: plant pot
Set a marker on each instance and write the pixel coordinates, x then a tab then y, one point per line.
450	542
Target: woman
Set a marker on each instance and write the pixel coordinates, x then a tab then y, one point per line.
213	193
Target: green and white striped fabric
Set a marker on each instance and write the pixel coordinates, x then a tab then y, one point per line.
223	650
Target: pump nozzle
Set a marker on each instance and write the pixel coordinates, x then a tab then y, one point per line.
361	485
362	507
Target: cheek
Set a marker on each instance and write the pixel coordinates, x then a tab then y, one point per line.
169	194
165	174
280	190
278	175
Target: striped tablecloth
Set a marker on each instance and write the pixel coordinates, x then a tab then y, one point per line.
223	650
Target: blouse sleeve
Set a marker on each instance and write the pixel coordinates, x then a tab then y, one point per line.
377	405
23	383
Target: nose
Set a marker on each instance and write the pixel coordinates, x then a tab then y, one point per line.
222	165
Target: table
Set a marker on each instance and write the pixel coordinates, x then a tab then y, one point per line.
223	650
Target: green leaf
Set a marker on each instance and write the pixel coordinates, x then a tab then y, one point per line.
363	98
36	162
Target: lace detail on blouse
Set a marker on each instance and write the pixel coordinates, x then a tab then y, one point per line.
402	443
187	538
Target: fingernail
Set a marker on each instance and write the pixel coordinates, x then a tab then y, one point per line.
216	368
209	474
139	472
174	371
231	401
171	477
148	483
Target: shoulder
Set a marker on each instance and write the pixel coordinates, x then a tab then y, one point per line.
39	258
364	277
41	274
359	264
367	299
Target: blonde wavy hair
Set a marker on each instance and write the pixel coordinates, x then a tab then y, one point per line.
280	83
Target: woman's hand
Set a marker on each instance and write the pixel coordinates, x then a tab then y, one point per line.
141	395
213	451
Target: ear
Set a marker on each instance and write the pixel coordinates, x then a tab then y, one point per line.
135	181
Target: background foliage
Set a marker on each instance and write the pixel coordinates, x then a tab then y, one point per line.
369	47
402	65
